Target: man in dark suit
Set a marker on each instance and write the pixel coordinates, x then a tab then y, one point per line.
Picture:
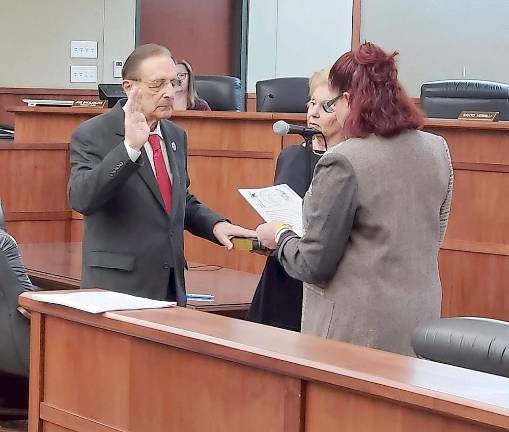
129	179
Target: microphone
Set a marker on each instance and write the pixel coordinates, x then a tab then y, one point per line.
283	128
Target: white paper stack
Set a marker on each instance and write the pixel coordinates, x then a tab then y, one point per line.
101	301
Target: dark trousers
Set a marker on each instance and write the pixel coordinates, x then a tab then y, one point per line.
171	293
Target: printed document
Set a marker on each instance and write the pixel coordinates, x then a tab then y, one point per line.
101	301
276	203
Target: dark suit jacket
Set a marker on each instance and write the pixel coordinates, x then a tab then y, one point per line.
130	243
278	297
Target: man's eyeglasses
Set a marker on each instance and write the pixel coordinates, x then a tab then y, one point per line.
329	106
158	86
182	75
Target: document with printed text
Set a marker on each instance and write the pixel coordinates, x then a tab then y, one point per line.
276	203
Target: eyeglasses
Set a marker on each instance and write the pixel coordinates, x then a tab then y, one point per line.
329	106
182	75
158	86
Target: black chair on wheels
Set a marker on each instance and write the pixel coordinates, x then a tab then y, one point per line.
222	93
474	343
288	95
447	99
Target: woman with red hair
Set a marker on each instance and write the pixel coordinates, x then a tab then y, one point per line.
374	215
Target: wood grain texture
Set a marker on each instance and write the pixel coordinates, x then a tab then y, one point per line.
58	266
199	392
229	150
147	362
330	410
11	97
356	23
36	381
187	28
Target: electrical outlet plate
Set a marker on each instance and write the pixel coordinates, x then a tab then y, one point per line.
83	49
83	74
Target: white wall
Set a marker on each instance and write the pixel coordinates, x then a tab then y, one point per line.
441	39
295	37
35	38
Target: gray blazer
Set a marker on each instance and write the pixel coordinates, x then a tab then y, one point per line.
374	217
130	243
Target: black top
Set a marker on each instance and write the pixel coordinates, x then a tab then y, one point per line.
278	297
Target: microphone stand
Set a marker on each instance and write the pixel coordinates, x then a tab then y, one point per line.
308	140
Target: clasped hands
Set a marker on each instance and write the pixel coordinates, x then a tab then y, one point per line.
266	234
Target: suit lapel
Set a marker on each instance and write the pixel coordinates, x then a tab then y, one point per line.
145	170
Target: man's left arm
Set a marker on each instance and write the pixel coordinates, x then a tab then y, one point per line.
203	222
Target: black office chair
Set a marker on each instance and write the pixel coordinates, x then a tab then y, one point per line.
222	93
6	131
446	99
111	93
282	95
474	343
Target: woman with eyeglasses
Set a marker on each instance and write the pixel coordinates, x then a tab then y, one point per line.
374	216
278	297
186	97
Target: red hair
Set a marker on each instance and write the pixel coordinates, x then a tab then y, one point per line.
378	103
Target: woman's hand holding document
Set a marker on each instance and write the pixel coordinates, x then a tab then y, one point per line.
277	203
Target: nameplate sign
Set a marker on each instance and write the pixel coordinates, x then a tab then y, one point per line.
90	103
479	115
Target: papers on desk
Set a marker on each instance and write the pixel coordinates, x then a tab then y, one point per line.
276	203
47	102
101	301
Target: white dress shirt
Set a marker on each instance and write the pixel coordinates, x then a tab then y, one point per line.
135	154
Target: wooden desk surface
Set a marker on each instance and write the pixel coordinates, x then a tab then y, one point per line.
58	266
341	386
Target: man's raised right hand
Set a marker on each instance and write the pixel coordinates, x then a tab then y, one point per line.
136	126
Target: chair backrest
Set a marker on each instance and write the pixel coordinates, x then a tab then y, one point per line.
474	343
14	327
2	216
222	93
446	99
282	95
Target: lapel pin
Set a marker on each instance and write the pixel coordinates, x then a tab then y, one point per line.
173	146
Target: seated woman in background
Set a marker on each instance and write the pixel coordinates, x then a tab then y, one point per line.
186	97
278	297
374	215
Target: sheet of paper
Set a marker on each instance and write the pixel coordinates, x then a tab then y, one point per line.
276	203
100	301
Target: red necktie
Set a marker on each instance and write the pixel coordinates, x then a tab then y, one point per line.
163	179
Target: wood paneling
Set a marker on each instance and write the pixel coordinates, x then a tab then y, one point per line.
57	265
11	97
32	179
475	284
330	410
356	23
201	32
39	231
215	388
231	150
146	370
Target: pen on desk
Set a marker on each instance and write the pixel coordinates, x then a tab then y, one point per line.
193	296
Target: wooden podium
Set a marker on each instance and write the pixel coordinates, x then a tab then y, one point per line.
229	150
182	370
